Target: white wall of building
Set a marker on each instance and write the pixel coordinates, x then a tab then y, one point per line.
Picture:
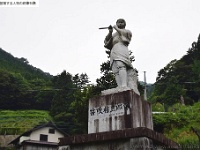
35	135
23	138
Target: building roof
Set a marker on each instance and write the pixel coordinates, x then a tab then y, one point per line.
49	124
40	143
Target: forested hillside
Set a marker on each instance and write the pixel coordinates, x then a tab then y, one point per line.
24	87
21	83
21	65
179	81
177	94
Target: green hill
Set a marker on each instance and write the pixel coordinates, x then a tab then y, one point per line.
179	80
177	94
23	86
21	65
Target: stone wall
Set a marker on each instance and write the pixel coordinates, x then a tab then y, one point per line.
6	139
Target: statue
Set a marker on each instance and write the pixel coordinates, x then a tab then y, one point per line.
120	61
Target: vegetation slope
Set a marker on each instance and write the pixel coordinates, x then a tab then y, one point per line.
15	122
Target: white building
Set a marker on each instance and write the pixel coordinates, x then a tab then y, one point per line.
42	137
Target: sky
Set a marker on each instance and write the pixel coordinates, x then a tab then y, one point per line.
64	35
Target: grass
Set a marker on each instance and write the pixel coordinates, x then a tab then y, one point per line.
19	121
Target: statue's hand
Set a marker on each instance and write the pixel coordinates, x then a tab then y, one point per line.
108	52
110	28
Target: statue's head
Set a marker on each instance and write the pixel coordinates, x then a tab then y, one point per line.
121	23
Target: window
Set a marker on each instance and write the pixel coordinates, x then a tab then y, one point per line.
52	131
43	137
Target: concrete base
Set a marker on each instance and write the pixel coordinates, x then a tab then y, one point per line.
120	121
118	111
141	143
128	139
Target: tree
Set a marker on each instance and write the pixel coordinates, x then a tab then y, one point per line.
14	92
81	80
107	81
70	103
63	85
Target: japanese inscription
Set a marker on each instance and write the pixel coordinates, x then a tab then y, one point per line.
114	109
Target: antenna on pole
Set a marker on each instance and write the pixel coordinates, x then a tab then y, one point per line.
145	87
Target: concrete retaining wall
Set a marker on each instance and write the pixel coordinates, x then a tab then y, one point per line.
5	139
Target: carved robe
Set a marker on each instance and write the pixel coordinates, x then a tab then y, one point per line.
118	44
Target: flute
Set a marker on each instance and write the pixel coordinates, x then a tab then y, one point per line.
110	27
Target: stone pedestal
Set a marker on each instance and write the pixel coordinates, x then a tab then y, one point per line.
118	111
140	138
119	121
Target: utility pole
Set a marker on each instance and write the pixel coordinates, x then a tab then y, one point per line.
145	87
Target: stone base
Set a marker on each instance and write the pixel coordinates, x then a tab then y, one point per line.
120	121
123	144
118	111
128	139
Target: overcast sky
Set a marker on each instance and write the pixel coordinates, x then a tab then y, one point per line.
63	34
